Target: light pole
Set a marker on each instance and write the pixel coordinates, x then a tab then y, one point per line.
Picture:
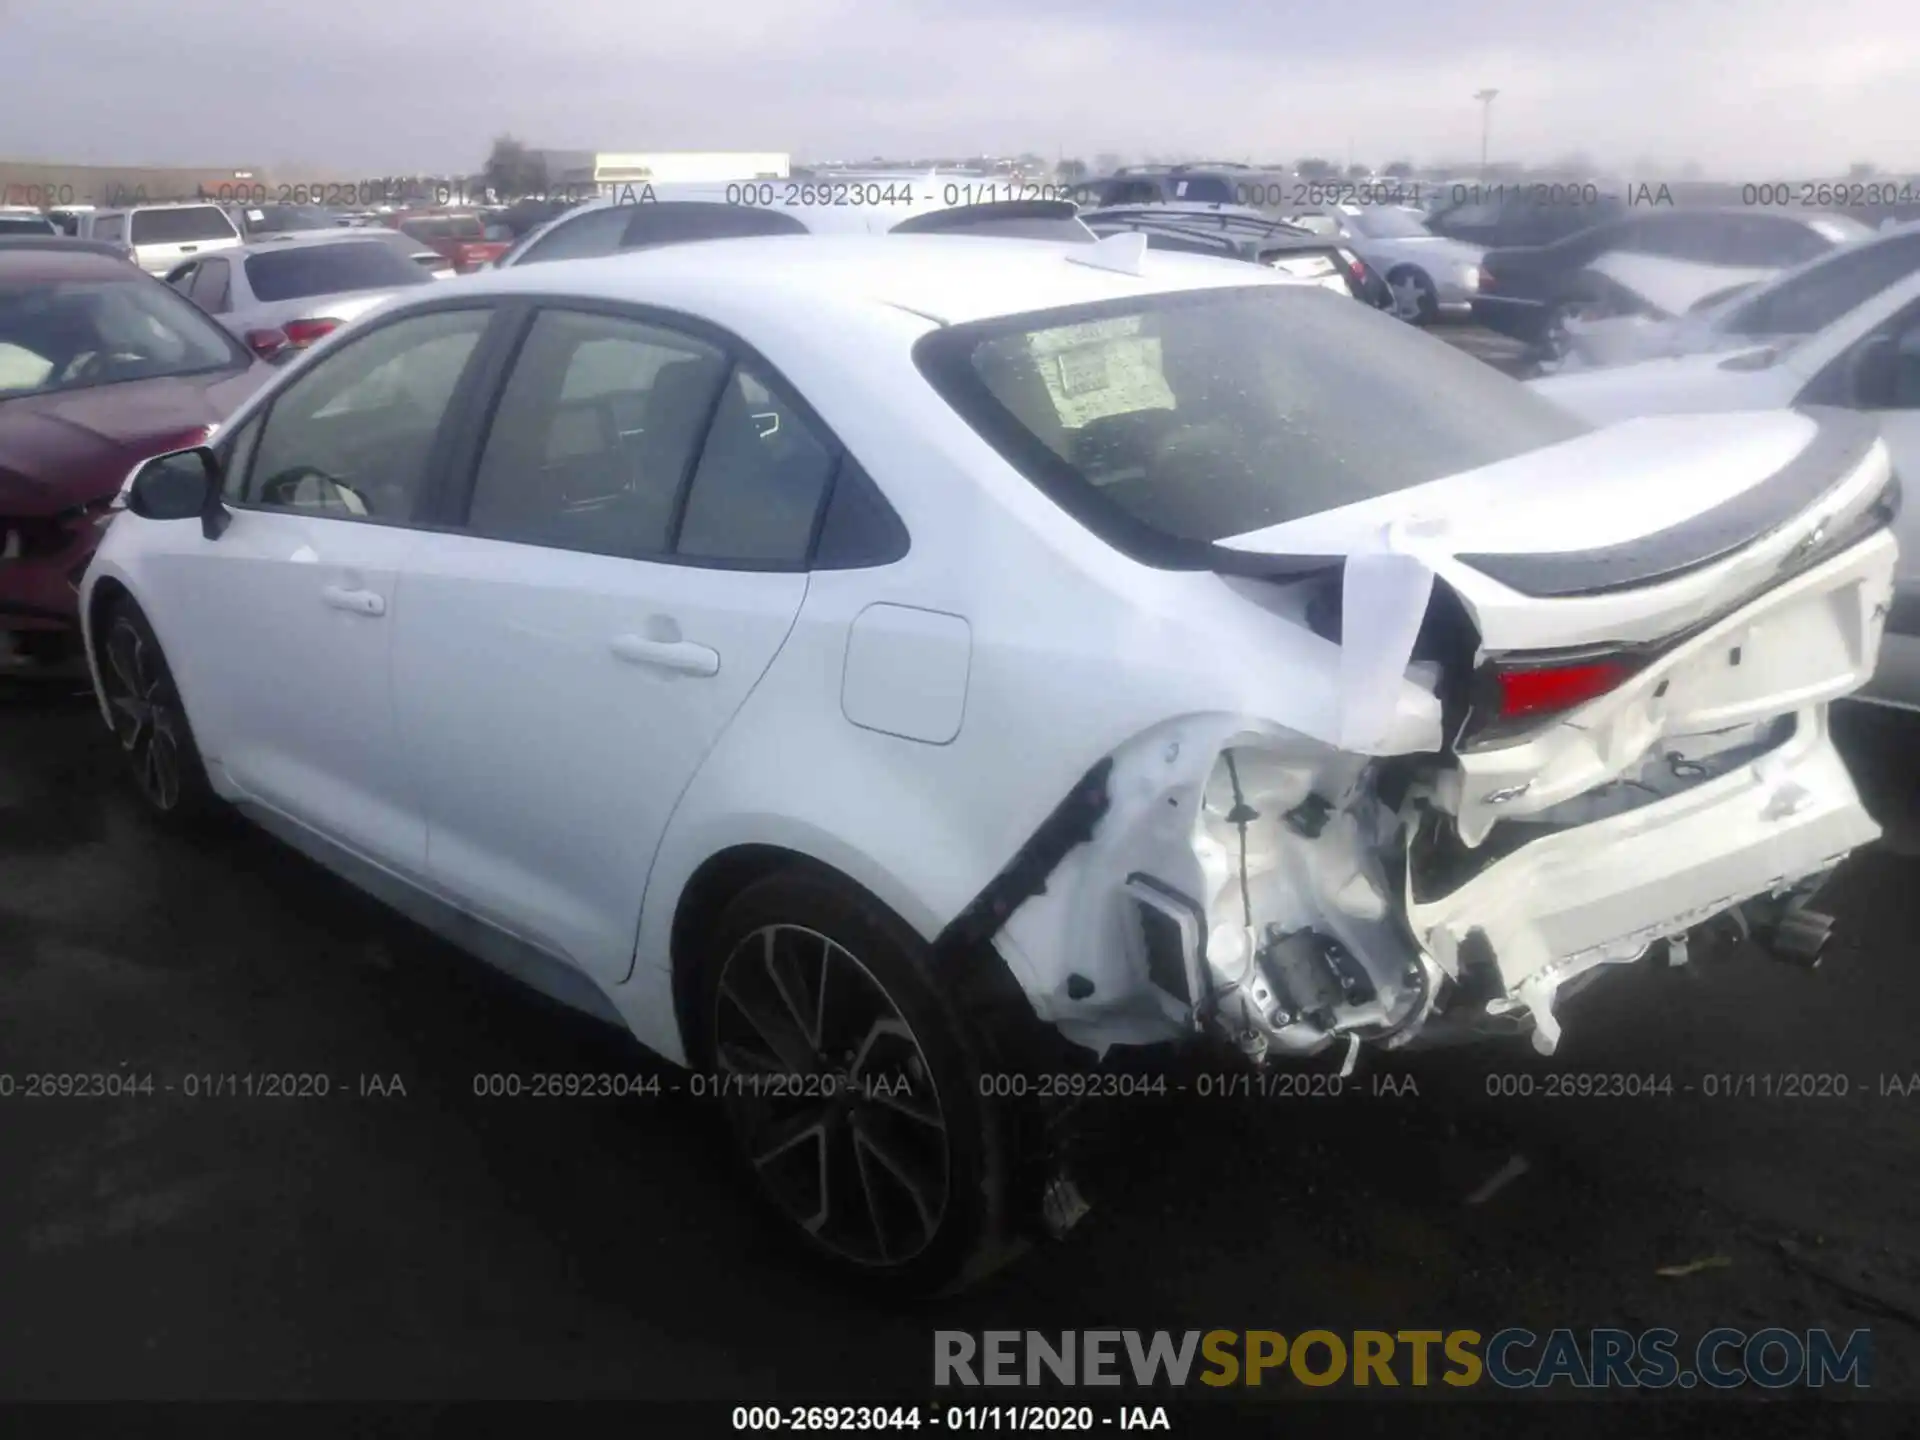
1485	97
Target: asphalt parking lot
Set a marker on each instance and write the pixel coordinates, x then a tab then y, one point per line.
405	1238
429	1243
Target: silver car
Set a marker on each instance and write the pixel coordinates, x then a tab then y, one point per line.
281	295
1431	276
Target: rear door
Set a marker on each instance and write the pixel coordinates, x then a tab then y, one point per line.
627	557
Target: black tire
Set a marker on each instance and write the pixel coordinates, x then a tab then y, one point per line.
1427	303
150	723
890	1250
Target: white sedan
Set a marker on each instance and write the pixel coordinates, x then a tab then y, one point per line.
877	672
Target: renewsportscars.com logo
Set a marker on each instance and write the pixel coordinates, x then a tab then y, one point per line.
1513	1358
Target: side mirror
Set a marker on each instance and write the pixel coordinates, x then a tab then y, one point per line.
1873	373
181	485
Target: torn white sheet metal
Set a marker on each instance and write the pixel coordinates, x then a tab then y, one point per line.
1603	893
1385	589
1811	640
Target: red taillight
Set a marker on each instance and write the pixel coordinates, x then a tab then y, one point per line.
266	343
1552	688
301	333
1484	281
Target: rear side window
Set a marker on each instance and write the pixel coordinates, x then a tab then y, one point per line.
1132	192
211	284
668	222
302	270
187	224
1175	420
760	480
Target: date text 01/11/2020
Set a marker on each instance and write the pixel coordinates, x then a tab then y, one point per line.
963	1418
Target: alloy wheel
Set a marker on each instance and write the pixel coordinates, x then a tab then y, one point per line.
144	718
831	1096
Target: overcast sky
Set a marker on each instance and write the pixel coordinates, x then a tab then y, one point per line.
1745	88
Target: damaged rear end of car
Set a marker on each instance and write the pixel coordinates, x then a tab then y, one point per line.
1577	700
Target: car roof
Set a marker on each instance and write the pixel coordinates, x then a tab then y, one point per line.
949	279
163	205
45	265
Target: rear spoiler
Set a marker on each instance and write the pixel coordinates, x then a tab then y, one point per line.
1842	441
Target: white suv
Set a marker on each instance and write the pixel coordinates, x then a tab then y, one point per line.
164	235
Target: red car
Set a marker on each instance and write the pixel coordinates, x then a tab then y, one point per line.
461	238
101	366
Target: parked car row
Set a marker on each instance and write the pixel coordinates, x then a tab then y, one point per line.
1242	233
1661	263
1841	331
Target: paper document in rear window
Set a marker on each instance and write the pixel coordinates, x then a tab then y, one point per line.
1101	369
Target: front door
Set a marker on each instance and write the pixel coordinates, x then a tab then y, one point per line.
294	699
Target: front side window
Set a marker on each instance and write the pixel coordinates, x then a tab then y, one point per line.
184	226
73	335
1179	419
594	434
211	283
108	227
352	437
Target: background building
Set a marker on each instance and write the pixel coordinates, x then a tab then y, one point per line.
582	168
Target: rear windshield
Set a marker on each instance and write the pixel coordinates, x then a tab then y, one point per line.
27	225
302	270
1185	418
445	227
1012	219
187	224
74	335
270	218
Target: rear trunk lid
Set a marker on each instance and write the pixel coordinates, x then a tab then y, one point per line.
1640	586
